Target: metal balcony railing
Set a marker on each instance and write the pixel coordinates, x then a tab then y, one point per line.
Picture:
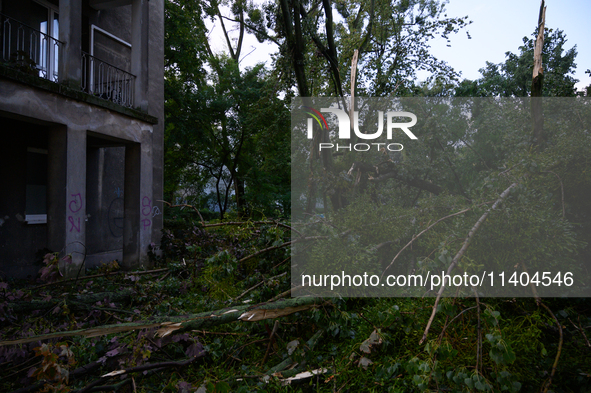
104	80
28	49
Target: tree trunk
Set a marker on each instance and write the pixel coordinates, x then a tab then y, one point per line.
167	325
537	81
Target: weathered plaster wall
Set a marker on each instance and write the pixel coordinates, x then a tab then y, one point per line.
116	21
32	103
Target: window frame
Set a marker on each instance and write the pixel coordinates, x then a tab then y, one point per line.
52	54
35	219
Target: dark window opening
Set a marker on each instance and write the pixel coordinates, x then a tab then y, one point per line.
36	197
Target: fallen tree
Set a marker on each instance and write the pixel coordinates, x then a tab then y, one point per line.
178	324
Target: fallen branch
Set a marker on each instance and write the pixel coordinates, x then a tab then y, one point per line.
300	376
86	300
167	325
582	331
561	190
479	360
271	341
219	224
285	294
258	285
301	239
184	205
547	384
101	275
460	253
92	387
219	333
560	340
457	316
423	231
152	366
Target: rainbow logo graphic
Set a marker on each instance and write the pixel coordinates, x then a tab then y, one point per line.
317	115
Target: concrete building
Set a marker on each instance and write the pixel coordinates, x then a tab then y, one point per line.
81	128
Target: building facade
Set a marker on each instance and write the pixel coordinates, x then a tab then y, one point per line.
81	127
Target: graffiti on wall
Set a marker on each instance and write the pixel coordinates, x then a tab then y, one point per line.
156	211
146	212
116	213
75	207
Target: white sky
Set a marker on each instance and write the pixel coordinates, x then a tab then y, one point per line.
498	26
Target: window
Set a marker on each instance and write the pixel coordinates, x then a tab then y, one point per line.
36	197
45	18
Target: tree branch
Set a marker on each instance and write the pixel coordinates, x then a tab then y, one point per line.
185	205
282	245
232	54
425	230
167	324
560	340
251	27
460	253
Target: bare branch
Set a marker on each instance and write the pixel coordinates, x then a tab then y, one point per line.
258	285
561	190
185	205
254	29
460	253
560	340
301	239
425	230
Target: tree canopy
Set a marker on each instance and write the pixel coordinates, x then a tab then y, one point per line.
227	129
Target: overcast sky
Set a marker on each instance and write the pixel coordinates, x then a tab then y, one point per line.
498	26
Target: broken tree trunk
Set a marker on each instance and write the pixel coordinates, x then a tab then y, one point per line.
167	325
537	81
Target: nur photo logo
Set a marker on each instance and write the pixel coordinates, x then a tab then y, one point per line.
345	125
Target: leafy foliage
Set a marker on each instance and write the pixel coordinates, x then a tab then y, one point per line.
54	366
364	344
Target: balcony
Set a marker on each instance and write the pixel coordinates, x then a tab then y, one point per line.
106	81
29	50
35	52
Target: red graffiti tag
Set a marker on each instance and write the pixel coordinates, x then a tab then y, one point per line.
146	211
76	203
146	206
73	224
146	223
